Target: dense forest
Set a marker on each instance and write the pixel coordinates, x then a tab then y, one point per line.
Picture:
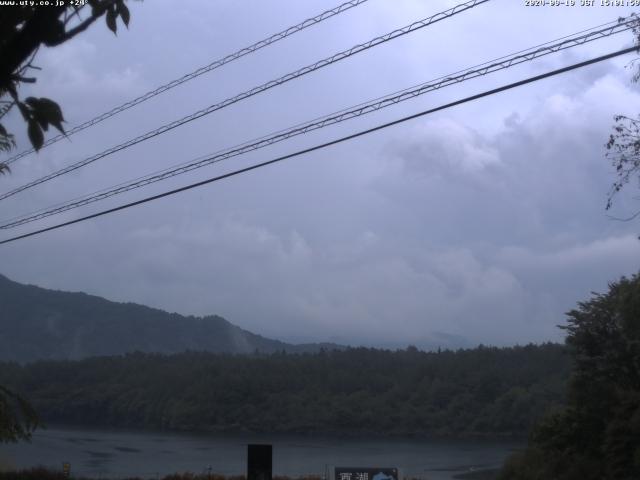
475	392
596	435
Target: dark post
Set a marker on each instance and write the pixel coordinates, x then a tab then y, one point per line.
259	462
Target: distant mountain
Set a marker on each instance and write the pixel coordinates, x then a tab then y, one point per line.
36	323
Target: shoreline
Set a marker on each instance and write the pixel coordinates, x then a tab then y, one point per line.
120	453
339	434
43	473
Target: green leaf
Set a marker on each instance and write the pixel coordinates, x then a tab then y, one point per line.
35	134
95	7
36	113
24	110
124	13
54	112
111	20
46	112
59	127
31	101
51	112
53	32
44	125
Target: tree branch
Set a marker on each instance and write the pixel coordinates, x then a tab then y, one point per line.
81	27
23	44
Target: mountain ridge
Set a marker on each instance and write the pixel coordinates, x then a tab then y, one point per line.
44	324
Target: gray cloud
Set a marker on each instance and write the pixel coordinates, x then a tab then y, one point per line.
483	223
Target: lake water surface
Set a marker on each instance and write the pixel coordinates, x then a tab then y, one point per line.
114	453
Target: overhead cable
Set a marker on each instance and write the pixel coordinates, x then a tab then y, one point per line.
326	144
196	73
254	91
334	118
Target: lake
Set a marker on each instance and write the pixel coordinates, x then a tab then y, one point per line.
117	453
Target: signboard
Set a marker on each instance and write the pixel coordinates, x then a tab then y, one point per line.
66	469
366	473
259	462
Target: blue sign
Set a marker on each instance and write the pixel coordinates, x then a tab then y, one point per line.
366	473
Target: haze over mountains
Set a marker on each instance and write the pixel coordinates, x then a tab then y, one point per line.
37	323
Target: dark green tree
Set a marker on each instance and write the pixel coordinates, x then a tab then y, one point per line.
597	435
17	418
354	391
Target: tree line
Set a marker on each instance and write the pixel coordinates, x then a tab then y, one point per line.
484	391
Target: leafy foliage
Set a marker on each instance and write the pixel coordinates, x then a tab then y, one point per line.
624	152
24	28
477	392
17	418
7	140
595	437
623	146
39	113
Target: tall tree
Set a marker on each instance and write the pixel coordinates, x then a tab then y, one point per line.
595	437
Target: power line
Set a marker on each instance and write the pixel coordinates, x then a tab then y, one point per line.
254	91
364	108
196	73
501	63
327	144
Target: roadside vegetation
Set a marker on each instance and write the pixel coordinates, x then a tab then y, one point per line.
596	434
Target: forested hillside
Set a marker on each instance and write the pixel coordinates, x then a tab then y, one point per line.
478	392
36	323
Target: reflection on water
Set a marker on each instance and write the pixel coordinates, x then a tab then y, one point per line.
114	454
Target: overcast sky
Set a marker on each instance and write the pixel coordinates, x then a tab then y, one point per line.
481	223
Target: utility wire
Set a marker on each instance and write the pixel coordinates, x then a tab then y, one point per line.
254	91
362	109
327	144
196	73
